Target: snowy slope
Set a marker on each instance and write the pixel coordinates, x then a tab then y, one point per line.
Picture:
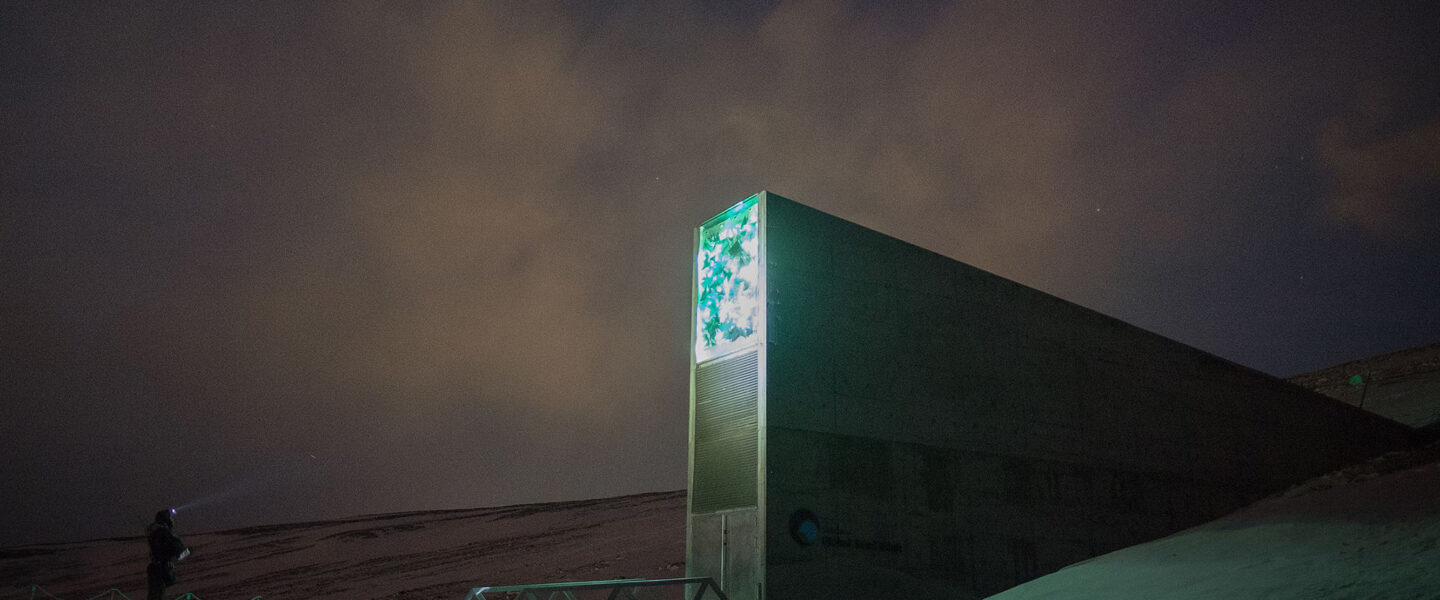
421	555
1368	531
1404	385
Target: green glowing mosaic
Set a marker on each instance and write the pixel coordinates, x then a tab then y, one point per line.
727	305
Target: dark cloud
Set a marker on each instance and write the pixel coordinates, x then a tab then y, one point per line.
444	247
1385	186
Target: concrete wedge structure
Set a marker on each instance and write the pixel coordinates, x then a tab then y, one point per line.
872	419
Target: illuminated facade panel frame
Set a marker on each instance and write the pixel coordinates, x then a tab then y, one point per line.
727	294
725	524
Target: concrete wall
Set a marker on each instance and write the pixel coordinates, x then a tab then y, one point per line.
958	433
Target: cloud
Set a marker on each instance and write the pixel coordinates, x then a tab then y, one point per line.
448	243
1385	186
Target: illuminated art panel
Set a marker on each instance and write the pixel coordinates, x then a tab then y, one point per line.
727	300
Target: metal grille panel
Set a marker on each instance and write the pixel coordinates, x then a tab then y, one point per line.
727	394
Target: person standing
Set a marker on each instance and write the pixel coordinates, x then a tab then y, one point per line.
165	550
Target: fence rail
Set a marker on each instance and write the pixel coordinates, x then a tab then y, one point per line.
620	589
111	594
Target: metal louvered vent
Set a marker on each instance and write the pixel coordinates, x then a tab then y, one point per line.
727	392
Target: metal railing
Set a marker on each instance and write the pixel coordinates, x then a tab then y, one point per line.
111	594
620	589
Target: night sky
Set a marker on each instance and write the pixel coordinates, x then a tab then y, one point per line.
445	248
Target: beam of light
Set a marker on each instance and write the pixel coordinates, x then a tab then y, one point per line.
255	482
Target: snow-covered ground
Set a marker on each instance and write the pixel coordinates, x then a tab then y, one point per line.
1367	531
419	556
1404	385
1370	530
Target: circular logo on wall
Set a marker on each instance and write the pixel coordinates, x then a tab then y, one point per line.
804	527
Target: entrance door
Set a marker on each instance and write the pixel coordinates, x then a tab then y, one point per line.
725	547
742	576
